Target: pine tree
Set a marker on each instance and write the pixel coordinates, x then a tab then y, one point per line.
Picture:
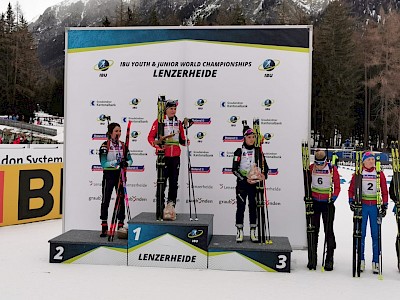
336	73
383	66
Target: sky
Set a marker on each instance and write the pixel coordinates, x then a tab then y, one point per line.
30	8
27	274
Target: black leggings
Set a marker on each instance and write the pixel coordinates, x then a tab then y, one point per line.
109	183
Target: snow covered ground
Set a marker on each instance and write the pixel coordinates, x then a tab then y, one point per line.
26	274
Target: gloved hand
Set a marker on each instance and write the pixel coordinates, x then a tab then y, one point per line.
123	164
382	210
333	198
352	205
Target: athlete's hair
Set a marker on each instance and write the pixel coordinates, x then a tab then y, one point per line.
320	155
110	128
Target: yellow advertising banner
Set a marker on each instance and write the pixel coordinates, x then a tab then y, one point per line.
30	192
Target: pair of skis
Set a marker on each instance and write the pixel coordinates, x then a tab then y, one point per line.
396	186
308	201
121	190
357	215
160	164
263	229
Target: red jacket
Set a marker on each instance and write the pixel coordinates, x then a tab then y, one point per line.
170	150
336	184
383	186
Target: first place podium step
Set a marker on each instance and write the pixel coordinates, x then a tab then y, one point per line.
179	244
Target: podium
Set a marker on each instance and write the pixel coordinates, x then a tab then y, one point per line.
87	247
224	253
178	244
171	244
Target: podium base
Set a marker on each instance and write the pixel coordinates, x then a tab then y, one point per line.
87	247
178	244
224	253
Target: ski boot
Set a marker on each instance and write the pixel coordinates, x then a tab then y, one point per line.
169	212
104	228
239	235
329	261
253	236
362	266
122	232
375	267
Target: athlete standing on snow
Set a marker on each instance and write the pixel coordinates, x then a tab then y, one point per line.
247	176
369	206
112	161
325	184
174	136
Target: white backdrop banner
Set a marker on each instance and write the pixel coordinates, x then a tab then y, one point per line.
221	77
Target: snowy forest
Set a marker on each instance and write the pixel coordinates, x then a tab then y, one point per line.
356	65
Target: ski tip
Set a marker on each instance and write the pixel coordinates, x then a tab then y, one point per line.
380	277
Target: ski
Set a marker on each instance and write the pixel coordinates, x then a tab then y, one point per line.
160	164
379	218
264	236
311	237
357	216
121	190
396	183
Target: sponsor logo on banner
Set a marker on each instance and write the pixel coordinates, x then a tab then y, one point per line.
134	135
273	189
268	66
194	233
232	138
200	170
200	136
226	170
30	192
134	103
226	153
103	118
231	201
232	104
267	103
99	137
137	199
136	120
226	187
233	120
273	172
270	122
267	137
201	121
270	155
96	198
93	183
104	103
137	152
200	200
202	186
94	151
200	103
96	168
201	154
102	66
